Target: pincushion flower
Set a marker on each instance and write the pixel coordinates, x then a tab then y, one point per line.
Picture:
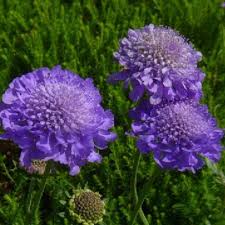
178	134
54	114
37	166
86	207
160	62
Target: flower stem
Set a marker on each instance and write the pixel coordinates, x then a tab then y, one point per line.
7	172
30	196
134	182
134	190
33	202
143	195
41	190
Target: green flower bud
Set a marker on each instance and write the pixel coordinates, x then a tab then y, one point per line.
86	207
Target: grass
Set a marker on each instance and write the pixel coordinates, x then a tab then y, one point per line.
82	36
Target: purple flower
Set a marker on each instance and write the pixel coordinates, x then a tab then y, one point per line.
161	62
223	4
178	133
54	114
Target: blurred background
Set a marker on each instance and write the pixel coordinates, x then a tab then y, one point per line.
81	35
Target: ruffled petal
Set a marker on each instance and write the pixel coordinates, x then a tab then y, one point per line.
103	137
74	170
116	77
137	93
94	157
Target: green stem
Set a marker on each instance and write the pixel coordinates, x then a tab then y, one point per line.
144	192
30	195
7	172
134	189
33	201
28	218
41	190
134	182
137	209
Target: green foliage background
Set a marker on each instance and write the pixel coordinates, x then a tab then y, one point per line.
82	36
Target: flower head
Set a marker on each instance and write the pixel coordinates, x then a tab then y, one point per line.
55	114
86	207
178	134
161	62
37	166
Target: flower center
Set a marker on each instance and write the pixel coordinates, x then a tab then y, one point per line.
90	206
58	105
165	48
179	122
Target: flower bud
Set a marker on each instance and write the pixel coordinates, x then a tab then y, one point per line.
86	207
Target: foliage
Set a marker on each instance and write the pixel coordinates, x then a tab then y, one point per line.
82	36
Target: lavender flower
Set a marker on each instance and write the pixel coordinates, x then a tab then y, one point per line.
160	61
54	114
178	134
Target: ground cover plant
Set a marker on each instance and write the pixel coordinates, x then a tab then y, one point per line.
82	36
